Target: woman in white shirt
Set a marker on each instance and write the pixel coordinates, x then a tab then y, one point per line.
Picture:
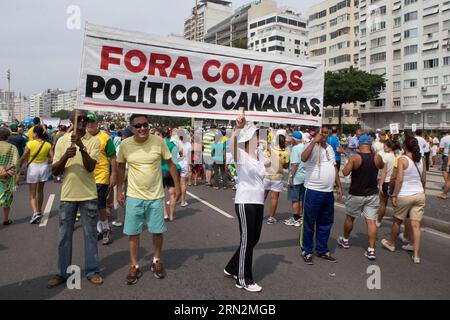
249	202
388	156
408	197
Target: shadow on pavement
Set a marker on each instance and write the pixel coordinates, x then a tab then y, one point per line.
267	264
175	258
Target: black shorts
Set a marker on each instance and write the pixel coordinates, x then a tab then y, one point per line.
385	189
338	164
168	181
102	194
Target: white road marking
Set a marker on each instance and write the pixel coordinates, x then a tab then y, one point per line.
47	210
210	205
436	233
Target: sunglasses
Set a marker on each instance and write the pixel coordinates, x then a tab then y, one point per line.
81	118
141	125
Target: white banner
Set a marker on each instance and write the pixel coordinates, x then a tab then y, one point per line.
54	122
132	72
394	128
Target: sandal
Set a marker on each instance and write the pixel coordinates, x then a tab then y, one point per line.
7	222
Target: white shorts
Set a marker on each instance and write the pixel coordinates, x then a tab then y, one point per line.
38	172
184	169
273	185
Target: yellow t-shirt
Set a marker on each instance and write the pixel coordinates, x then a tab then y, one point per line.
78	183
101	172
30	134
144	166
34	147
278	158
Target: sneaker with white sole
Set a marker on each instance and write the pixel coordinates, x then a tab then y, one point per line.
184	204
227	274
117	223
408	247
293	222
36	218
253	287
344	243
388	246
401	236
416	260
271	220
370	254
378	224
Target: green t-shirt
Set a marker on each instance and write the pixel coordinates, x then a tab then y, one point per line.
174	152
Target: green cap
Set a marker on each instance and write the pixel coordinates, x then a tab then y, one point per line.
91	116
14	127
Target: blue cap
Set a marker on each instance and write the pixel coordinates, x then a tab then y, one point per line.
365	139
297	135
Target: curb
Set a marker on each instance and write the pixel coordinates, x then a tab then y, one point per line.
428	222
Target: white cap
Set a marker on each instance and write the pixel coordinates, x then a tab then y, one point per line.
281	132
378	130
247	133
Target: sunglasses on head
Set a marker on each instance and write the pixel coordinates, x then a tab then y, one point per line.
140	125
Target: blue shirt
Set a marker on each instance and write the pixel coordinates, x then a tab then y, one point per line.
354	143
333	141
296	157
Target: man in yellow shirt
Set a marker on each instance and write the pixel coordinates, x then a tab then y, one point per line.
105	182
144	204
76	156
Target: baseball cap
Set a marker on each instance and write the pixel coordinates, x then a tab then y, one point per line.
247	133
14	127
297	135
91	116
365	139
378	130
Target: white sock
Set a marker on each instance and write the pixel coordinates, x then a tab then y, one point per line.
155	259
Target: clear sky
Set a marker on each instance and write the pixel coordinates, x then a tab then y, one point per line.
43	53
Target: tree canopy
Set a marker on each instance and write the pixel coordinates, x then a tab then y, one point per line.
351	86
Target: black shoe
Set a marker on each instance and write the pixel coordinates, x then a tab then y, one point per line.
99	236
133	275
327	257
7	222
308	259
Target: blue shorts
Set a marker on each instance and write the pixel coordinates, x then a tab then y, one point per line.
139	212
209	167
296	192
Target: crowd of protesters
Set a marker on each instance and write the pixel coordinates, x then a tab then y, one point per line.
136	163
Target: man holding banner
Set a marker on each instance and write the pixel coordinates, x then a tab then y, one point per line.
76	156
143	153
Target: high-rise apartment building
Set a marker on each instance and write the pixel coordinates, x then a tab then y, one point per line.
333	29
409	42
277	30
206	14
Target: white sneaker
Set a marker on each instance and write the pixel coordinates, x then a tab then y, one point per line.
271	220
386	245
292	222
36	218
408	247
378	224
254	287
401	236
227	274
117	223
185	204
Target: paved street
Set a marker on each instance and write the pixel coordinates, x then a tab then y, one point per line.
197	246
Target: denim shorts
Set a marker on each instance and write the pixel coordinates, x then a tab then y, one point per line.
139	212
296	192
